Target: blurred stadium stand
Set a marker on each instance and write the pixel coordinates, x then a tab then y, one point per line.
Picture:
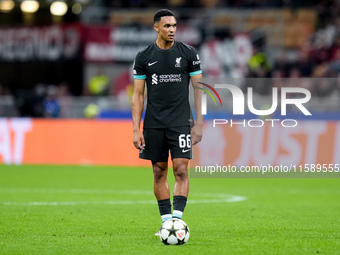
236	39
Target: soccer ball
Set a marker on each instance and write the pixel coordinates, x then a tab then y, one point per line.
174	231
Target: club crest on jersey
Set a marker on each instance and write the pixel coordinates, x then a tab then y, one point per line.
178	62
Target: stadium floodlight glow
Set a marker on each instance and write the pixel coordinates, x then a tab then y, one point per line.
58	8
77	8
6	5
30	6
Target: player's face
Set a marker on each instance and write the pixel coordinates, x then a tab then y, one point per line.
166	28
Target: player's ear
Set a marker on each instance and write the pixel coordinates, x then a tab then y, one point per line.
155	26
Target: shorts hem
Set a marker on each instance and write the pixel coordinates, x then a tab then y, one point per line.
188	157
156	160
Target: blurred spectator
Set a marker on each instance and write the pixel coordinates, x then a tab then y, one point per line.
319	53
304	65
320	71
91	111
260	67
98	84
281	66
64	99
30	102
335	49
295	73
259	64
51	103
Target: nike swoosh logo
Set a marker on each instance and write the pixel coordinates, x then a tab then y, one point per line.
150	64
184	151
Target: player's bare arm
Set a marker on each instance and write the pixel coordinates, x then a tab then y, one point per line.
137	110
196	132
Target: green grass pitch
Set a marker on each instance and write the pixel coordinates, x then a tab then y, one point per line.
112	210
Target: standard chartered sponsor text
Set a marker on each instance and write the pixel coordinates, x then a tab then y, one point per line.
170	78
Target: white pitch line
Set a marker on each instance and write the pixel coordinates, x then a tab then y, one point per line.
214	197
79	191
127	202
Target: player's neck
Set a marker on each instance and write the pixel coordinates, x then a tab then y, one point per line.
164	45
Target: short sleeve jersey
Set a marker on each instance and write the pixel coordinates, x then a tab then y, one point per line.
167	75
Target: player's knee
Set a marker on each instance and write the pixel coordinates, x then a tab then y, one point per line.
160	171
181	172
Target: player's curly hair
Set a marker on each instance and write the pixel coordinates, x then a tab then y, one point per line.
162	13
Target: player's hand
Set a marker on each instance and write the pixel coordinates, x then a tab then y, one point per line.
138	140
196	134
